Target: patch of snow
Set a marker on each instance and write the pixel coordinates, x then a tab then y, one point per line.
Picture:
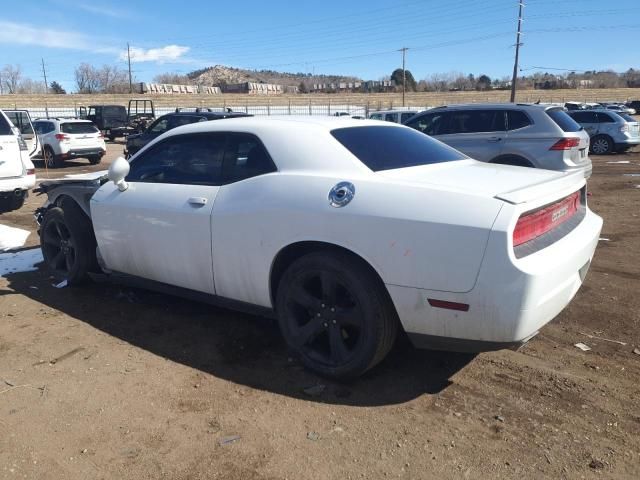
621	161
11	238
631	174
17	262
603	239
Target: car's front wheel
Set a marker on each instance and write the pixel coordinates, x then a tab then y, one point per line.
67	242
335	314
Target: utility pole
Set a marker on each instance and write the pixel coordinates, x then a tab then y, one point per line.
129	61
44	73
404	75
514	79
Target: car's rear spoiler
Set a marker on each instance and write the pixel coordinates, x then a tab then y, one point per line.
569	182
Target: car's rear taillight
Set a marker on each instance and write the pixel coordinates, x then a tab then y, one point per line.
624	128
62	136
538	222
31	171
565	144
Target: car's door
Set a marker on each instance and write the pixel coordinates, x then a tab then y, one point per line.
160	227
607	124
481	134
10	161
22	121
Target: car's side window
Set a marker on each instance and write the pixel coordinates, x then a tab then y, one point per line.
190	159
390	117
160	126
5	127
179	120
517	119
585	117
406	116
245	157
39	127
476	121
431	124
376	116
605	118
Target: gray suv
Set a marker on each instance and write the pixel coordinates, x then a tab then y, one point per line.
540	136
609	131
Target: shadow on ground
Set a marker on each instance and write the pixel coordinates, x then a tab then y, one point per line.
241	348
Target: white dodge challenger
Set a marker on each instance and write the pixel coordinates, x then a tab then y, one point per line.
346	230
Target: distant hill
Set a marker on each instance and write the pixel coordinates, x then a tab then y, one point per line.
220	74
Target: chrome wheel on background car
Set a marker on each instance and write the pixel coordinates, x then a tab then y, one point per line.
49	158
601	145
335	314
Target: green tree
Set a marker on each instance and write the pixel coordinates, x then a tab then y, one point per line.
483	83
57	88
396	76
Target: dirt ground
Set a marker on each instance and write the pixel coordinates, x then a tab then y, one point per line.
106	382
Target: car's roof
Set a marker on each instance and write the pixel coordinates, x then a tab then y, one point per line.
208	114
62	120
398	110
482	106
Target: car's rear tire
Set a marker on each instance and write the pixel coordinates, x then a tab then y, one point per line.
335	314
601	145
51	160
68	243
95	160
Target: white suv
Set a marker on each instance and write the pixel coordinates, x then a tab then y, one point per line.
62	139
17	173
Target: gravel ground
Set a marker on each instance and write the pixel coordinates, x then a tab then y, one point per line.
109	382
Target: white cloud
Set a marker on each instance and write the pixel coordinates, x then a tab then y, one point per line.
25	34
169	53
102	10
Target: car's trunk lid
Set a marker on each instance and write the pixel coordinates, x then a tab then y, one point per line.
504	182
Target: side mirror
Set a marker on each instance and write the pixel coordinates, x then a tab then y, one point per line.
118	170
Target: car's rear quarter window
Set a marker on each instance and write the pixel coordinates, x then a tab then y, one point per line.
386	148
563	120
78	127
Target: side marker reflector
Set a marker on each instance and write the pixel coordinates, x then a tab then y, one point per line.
461	307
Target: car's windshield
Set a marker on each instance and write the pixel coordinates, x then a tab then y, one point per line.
78	127
388	147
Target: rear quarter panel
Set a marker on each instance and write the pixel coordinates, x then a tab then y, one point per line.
412	236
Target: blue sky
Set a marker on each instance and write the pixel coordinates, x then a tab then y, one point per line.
359	38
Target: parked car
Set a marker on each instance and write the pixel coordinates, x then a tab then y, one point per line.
397	116
17	173
610	131
345	230
620	109
526	135
66	138
118	121
575	106
22	121
172	120
635	104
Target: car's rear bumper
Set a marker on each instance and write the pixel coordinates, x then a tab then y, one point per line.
511	300
83	153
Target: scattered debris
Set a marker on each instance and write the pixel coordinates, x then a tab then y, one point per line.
84	450
603	239
500	418
62	284
596	464
228	440
583	347
631	174
602	338
313	436
66	355
636	351
620	161
315	390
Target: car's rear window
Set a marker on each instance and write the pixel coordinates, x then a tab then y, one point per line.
627	117
78	127
114	111
5	127
563	120
387	147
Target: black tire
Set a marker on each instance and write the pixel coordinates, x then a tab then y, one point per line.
51	160
95	160
111	137
68	243
335	314
601	145
623	149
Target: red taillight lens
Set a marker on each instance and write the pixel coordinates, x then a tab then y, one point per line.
565	144
532	225
31	171
62	136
